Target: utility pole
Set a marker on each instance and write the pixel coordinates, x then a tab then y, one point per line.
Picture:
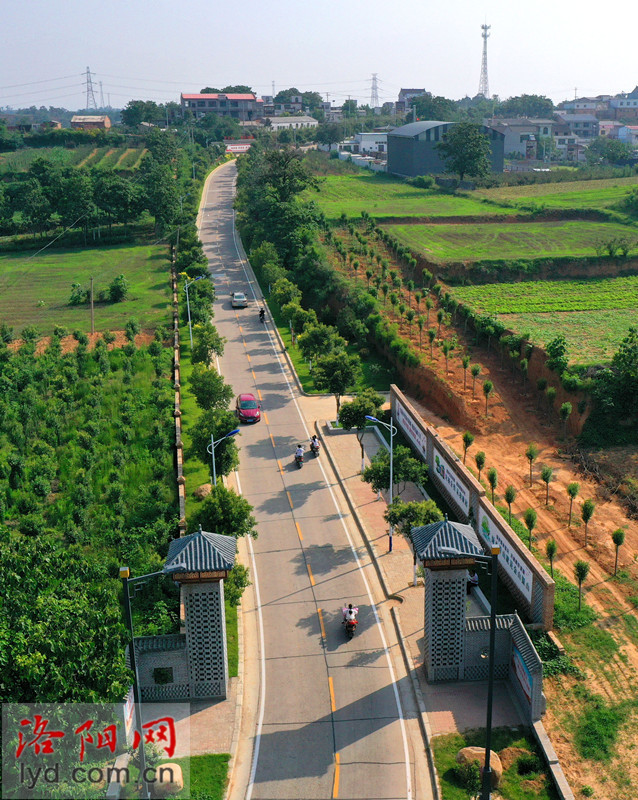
92	317
484	87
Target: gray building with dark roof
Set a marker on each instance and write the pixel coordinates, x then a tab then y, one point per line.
412	148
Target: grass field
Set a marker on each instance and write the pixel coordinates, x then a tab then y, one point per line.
384	196
87	155
34	290
479	241
574	194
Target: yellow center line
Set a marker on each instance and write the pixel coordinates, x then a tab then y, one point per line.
281	469
243	341
289	499
241	330
254	377
333	705
323	630
272	440
266	418
299	532
247	354
335	785
310	575
259	393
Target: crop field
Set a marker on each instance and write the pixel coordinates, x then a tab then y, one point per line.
86	155
479	241
532	296
594	315
572	194
35	290
383	196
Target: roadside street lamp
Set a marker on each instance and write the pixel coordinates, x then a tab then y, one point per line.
127	581
188	307
211	449
486	783
392	430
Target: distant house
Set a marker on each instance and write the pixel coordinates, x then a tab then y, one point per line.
284	123
238	106
90	123
412	148
585	126
625	106
628	134
520	136
609	128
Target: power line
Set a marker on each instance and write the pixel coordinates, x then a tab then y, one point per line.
33	83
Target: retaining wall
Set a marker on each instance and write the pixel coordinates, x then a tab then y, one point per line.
524	576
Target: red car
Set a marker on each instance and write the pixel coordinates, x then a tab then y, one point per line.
247	408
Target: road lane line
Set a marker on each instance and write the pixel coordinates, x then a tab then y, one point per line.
272	440
247	354
321	625
241	330
341	517
299	532
333	705
310	575
266	418
281	469
289	499
335	785
259	393
254	376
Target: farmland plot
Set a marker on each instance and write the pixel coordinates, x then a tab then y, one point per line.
573	194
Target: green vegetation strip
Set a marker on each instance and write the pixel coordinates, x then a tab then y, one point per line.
575	194
482	241
545	296
384	196
526	778
205	777
35	289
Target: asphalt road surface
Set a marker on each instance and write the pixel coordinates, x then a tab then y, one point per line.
330	721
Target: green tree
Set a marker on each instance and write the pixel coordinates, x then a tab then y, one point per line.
475	371
406	516
479	459
526	105
286	175
353	415
336	373
551	548
572	492
550	393
406	469
541	385
488	388
421	324
284	292
581	571
547	475
428	106
557	358
319	340
160	192
209	388
587	512
531	454
510	496
465	150
223	511
207	343
618	538
529	518
446	347
440	317
432	337
468	439
216	422
564	413
492	479
465	362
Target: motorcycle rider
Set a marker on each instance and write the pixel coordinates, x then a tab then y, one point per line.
314	443
299	452
262	314
350	613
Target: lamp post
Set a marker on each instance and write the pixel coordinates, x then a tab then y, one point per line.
211	449
125	576
392	430
188	307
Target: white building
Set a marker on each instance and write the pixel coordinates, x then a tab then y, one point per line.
287	123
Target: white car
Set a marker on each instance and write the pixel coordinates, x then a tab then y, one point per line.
239	300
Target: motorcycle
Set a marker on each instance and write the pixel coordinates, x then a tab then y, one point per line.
299	461
315	447
262	315
351	627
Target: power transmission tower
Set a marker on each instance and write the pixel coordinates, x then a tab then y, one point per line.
90	94
101	96
374	93
484	87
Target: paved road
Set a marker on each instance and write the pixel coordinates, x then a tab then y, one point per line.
330	722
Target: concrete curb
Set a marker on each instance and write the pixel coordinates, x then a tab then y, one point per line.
424	722
239	702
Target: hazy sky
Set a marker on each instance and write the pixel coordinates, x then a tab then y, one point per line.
153	49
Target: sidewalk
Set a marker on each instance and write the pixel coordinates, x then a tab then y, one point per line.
448	707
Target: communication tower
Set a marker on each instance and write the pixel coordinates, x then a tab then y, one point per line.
374	93
484	87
